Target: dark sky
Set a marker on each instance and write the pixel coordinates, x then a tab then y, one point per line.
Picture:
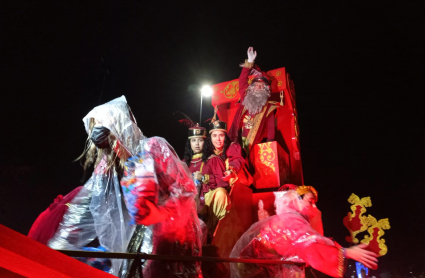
358	69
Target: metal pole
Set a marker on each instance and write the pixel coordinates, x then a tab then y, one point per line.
200	113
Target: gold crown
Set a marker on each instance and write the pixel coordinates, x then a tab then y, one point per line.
303	189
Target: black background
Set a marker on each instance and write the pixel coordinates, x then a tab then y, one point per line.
358	69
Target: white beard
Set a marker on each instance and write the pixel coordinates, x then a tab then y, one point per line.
255	99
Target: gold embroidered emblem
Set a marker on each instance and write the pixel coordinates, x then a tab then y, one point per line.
197	131
231	89
267	155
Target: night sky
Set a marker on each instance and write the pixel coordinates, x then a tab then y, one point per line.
358	69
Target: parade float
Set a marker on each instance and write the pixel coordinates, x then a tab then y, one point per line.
272	164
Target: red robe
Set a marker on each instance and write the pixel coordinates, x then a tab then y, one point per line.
216	166
266	127
197	165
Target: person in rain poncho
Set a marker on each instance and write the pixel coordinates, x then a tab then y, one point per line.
98	210
160	195
289	236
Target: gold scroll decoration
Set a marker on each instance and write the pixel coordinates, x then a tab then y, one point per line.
267	155
231	89
376	231
355	221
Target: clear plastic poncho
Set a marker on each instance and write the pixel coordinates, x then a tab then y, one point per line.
286	236
98	210
157	175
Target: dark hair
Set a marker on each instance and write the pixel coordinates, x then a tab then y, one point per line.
188	153
209	147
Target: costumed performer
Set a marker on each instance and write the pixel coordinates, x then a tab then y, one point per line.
254	119
160	194
289	236
224	161
193	154
193	158
98	210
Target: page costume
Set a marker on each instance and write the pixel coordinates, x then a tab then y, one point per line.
157	175
214	199
287	236
98	210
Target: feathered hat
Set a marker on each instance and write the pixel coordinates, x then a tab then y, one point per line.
194	129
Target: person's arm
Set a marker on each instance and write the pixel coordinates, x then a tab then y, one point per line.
160	170
215	170
235	158
360	254
317	251
246	69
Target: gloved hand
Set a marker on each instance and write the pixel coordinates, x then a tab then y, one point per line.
251	54
156	215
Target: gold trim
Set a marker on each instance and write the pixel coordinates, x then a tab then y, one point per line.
215	129
383	224
273	106
206	179
247	64
257	122
198	155
341	262
196	136
253	132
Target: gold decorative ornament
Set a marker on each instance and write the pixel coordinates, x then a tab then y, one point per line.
380	226
247	64
356	223
231	89
358	208
267	155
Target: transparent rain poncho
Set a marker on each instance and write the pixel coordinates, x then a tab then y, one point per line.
286	236
98	210
157	175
